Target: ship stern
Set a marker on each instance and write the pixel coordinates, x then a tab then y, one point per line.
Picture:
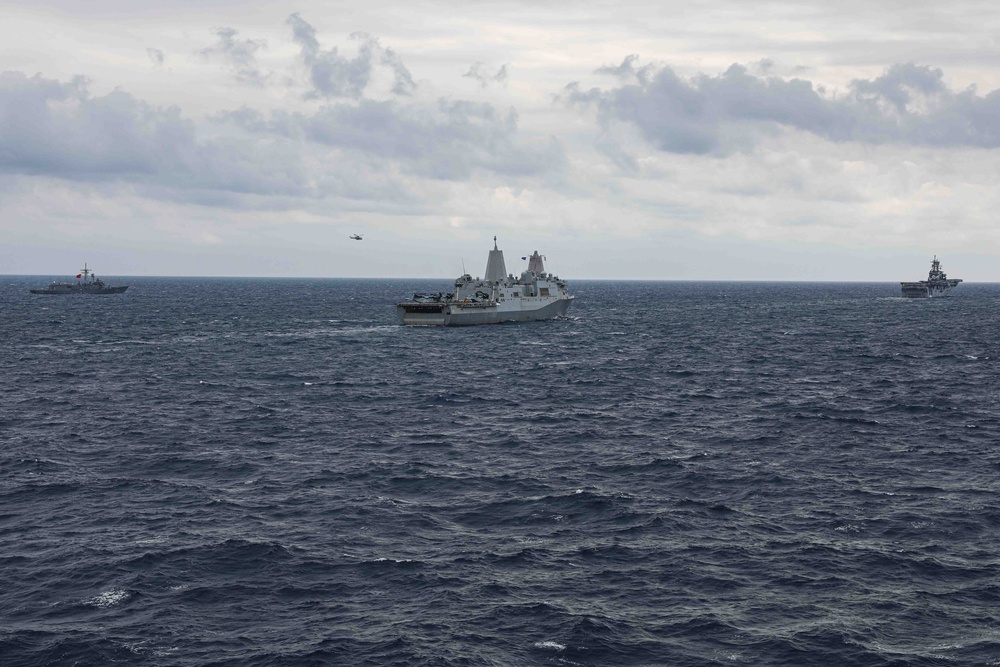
422	314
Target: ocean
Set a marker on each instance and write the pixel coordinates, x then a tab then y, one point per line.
272	472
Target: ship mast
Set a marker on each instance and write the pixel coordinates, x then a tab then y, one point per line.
496	270
535	264
935	272
85	271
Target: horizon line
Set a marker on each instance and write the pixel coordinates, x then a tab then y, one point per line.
649	280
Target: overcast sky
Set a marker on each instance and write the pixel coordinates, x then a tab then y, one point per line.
803	140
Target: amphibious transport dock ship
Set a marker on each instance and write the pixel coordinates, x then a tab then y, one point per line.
497	297
937	283
90	284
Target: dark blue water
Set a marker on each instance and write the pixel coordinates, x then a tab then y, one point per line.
271	472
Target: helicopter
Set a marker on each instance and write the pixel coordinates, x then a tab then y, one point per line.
357	237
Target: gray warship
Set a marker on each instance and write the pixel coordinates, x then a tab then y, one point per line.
497	297
87	283
937	283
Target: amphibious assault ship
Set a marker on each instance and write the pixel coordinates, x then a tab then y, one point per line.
937	283
497	297
90	284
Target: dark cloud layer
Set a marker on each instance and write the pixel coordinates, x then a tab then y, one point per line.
59	130
335	76
908	104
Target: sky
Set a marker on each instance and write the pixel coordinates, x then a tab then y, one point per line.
723	140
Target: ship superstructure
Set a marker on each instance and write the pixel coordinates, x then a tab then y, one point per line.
937	283
496	297
87	283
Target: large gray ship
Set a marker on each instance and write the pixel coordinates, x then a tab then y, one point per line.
497	297
937	283
86	283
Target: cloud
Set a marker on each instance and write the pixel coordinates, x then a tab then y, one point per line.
49	128
485	80
239	54
55	128
156	56
362	150
335	76
627	70
403	83
764	66
450	141
908	104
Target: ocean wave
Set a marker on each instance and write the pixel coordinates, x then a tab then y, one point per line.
274	473
108	598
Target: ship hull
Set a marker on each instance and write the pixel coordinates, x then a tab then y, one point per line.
923	290
104	290
90	284
455	314
937	284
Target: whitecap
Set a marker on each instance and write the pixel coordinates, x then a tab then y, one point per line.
850	528
550	645
109	598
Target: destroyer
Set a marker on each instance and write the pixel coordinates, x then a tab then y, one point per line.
937	283
90	284
497	297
